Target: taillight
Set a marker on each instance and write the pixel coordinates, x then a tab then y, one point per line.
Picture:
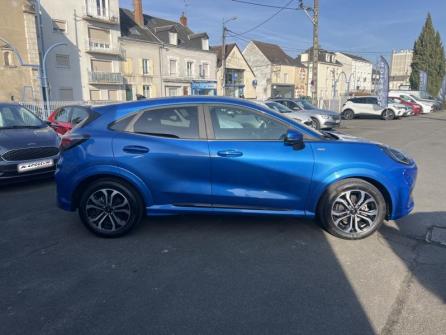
69	141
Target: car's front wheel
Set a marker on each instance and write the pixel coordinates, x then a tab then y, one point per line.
352	209
110	208
315	123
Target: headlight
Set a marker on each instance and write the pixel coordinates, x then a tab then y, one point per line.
397	155
326	117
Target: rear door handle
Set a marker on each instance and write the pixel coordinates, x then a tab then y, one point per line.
135	149
230	153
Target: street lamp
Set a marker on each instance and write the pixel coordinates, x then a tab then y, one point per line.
223	52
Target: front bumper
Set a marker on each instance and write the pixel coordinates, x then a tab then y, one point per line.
9	172
330	123
403	202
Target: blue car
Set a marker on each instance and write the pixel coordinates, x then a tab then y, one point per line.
220	155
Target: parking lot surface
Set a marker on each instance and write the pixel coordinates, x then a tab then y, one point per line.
226	274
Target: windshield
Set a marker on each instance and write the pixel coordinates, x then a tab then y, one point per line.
306	104
12	116
278	107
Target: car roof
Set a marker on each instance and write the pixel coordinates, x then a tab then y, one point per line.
165	101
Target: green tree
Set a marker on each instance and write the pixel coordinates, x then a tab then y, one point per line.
428	55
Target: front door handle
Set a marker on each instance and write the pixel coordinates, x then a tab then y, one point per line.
230	153
135	149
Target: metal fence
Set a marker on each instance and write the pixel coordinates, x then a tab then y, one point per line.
43	109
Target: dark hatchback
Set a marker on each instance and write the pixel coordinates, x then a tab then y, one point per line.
29	148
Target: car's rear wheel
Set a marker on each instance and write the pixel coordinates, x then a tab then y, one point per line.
352	209
110	208
348	114
388	114
315	123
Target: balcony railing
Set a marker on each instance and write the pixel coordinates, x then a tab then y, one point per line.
93	13
105	78
104	48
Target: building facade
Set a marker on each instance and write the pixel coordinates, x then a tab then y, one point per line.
240	79
329	69
277	74
400	69
18	27
165	58
358	74
88	67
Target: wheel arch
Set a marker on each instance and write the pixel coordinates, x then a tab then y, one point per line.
133	181
379	185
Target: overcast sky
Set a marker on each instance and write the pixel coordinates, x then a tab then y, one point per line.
365	27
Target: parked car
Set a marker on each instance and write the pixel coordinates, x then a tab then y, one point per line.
65	118
369	106
426	105
322	119
225	156
415	108
28	146
301	117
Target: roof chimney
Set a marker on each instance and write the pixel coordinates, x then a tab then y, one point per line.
183	20
138	15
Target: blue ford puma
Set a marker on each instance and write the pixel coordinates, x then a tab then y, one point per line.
224	155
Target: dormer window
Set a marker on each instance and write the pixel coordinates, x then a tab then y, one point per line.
173	38
205	43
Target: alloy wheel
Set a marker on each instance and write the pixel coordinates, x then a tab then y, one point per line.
108	210
355	211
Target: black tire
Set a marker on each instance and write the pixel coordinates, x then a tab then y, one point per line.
315	123
330	204
388	114
126	208
348	114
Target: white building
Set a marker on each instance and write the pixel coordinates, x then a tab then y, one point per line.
400	69
88	67
165	58
329	68
358	74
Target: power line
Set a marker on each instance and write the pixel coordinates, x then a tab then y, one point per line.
265	21
263	5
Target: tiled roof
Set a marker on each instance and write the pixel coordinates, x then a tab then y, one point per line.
275	54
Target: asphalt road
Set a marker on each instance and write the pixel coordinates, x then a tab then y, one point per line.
230	275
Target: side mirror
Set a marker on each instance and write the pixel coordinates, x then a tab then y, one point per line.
295	139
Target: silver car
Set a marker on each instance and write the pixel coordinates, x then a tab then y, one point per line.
301	117
321	118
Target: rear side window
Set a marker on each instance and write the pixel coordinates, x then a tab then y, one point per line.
63	115
179	122
78	114
373	101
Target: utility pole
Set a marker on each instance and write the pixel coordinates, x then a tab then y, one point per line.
223	52
314	18
315	48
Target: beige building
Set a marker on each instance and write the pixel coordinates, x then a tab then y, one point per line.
358	74
18	27
277	74
165	58
328	70
240	79
400	69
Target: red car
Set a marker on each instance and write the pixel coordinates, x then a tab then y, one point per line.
416	109
65	118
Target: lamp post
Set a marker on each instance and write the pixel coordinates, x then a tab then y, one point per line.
223	52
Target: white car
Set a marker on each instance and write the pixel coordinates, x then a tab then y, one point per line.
427	106
369	106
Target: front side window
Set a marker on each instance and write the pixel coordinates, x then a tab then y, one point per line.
18	117
233	123
174	122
